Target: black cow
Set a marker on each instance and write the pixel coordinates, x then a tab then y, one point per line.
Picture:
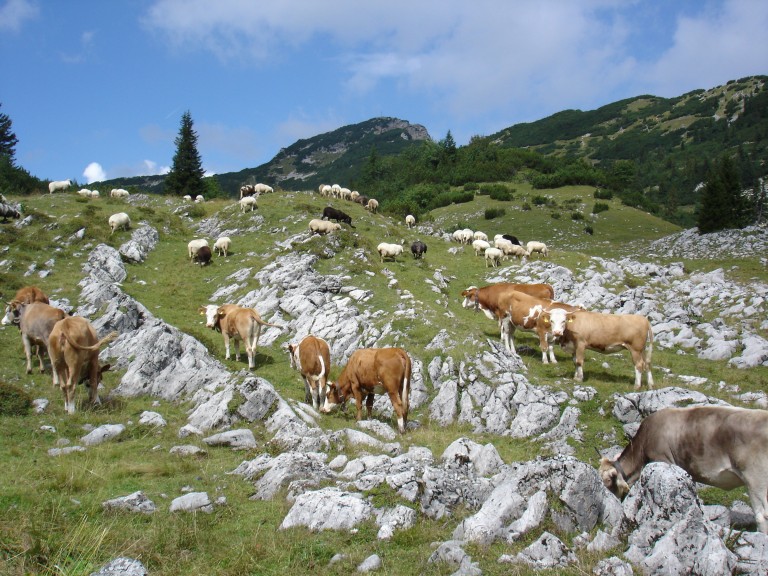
418	249
331	213
511	238
203	256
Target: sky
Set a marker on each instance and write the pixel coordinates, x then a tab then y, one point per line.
96	89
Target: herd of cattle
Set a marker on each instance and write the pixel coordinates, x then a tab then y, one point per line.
719	446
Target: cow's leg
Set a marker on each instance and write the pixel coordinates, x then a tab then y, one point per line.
69	393
578	360
307	391
369	404
357	393
226	346
637	360
54	372
397	404
757	485
28	351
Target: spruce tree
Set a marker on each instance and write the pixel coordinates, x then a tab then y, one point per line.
722	203
186	175
8	139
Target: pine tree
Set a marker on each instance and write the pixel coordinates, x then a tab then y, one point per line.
186	175
8	139
722	203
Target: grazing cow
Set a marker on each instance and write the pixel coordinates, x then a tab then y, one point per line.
74	349
203	256
26	295
721	446
605	333
372	371
418	249
516	306
35	321
236	323
312	358
410	221
58	185
331	213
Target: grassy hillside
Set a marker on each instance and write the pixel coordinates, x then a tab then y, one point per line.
51	519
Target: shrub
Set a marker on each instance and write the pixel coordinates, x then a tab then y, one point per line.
589	230
599	207
14	401
539	200
577	216
603	194
555	215
471	187
491	213
526	206
196	211
496	192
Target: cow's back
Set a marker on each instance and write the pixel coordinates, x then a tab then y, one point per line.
392	361
38	319
609	329
311	350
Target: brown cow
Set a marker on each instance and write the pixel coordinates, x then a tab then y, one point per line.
720	446
312	357
606	333
237	323
372	371
74	349
516	306
35	322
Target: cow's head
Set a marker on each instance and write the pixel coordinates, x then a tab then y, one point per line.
613	477
13	311
470	297
293	353
335	395
210	311
556	321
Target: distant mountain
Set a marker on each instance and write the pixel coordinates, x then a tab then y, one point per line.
670	140
333	157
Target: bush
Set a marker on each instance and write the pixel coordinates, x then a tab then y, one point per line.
603	194
589	230
526	206
14	401
539	200
496	192
599	207
555	215
577	216
471	187
491	213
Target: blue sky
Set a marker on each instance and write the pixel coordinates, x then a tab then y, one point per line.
96	88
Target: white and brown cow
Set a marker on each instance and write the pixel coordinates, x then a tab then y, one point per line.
312	358
720	446
238	324
515	306
372	371
74	348
35	322
579	330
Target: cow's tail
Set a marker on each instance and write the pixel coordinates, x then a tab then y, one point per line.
648	350
108	338
404	396
257	317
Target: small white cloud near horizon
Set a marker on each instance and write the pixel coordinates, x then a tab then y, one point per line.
94	173
152	169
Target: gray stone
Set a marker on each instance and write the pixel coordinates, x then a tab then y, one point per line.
122	567
152	419
242	439
192	502
103	433
370	564
136	502
546	553
328	509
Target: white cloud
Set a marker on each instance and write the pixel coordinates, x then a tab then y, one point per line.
13	13
151	168
94	173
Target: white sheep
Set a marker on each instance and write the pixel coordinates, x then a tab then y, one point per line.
84	192
58	185
410	221
389	250
119	220
94	193
335	191
187	198
199	198
325	190
515	250
494	256
323	226
480	236
263	188
480	246
248	202
540	247
222	245
195	245
354	196
119	193
345	193
373	205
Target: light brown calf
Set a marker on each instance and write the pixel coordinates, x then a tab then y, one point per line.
35	322
372	371
74	349
312	357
